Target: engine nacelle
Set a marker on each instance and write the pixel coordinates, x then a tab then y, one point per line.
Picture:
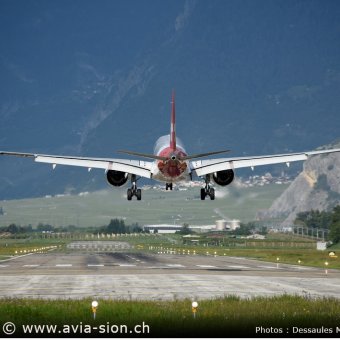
224	177
116	178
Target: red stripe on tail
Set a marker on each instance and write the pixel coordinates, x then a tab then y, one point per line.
173	123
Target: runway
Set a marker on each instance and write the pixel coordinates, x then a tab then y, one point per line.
125	274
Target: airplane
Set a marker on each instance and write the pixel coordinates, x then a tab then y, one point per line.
170	164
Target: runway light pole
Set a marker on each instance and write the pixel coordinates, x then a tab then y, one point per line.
326	269
194	307
277	262
94	309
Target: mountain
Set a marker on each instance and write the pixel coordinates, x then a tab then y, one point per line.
89	78
316	188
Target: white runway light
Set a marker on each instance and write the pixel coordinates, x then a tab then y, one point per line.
194	307
94	308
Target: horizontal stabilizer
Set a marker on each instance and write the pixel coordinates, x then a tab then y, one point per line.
181	158
145	155
203	155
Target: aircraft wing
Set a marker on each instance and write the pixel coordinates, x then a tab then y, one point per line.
204	167
139	168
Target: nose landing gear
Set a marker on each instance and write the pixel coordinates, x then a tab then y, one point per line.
207	190
134	191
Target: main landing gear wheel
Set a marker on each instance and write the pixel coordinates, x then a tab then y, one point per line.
168	186
139	194
212	193
129	194
207	190
134	191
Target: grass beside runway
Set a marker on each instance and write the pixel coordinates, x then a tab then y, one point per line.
14	247
300	257
230	316
278	249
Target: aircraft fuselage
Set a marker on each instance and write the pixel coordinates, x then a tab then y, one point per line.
172	169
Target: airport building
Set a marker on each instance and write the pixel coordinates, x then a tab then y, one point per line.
162	228
227	225
220	225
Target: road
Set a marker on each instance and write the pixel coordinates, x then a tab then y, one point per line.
125	274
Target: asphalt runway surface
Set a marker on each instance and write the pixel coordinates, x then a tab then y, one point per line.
130	275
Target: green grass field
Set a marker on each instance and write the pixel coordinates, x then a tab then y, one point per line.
98	208
307	257
277	248
227	317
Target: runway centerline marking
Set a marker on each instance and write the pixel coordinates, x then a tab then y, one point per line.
63	265
175	265
303	268
127	265
267	267
31	265
239	267
205	266
95	265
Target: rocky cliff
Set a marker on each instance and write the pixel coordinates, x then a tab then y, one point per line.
316	187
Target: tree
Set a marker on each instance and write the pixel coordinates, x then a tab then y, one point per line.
136	228
13	229
334	234
185	230
314	219
244	229
44	227
116	227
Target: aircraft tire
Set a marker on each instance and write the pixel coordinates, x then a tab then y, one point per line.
203	194
129	194
139	194
212	193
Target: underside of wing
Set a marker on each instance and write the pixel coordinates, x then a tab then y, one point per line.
204	167
136	167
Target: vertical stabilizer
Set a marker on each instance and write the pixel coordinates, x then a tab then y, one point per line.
173	123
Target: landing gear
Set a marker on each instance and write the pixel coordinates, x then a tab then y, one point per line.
168	186
129	194
134	191
207	190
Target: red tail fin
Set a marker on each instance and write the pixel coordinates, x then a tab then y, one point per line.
173	123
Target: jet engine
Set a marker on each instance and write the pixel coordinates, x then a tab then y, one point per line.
116	178
224	177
